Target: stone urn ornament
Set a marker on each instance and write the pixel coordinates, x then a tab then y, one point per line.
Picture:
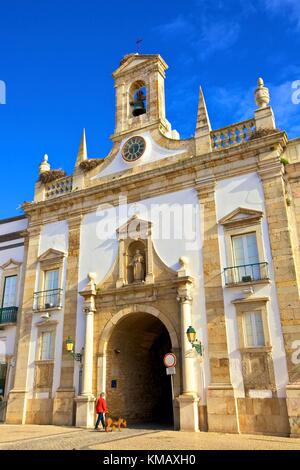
262	96
44	166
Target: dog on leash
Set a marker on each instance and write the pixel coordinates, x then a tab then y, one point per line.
112	423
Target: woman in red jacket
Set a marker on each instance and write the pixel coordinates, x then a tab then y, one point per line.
101	409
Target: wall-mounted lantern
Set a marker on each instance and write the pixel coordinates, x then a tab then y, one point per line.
191	336
70	349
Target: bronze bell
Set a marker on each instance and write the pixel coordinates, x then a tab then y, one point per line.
139	104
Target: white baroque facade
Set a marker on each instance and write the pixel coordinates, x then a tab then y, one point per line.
128	252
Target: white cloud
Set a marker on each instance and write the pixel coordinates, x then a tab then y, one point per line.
204	35
239	105
217	36
290	8
236	103
174	26
287	113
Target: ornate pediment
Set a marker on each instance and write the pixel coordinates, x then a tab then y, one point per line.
134	61
51	255
11	264
241	216
138	264
135	228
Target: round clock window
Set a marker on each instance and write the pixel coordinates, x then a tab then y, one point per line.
133	149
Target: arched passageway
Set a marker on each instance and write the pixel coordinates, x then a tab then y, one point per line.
137	386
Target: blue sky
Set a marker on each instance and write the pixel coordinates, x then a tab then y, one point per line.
56	58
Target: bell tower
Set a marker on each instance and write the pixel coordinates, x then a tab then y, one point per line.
140	94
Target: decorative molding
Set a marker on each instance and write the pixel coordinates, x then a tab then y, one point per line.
11	264
249	300
184	291
46	323
225	164
139	231
205	187
51	255
125	230
240	217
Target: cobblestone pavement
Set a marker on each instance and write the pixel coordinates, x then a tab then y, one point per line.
174	440
33	437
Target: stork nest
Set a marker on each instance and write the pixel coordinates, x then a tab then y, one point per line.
51	175
88	165
262	133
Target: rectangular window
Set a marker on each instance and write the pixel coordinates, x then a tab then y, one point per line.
46	346
51	294
246	259
3	372
9	291
253	330
51	279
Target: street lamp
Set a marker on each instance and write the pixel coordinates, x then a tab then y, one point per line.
70	349
191	336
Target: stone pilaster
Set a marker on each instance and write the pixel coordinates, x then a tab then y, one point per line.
16	408
149	275
188	400
221	407
285	272
39	192
264	118
63	406
85	408
121	280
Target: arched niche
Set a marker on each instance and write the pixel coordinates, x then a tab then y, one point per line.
132	236
137	98
136	268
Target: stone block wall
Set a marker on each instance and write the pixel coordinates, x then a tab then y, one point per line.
263	416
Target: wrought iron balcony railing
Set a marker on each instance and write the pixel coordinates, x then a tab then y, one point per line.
8	315
47	299
246	273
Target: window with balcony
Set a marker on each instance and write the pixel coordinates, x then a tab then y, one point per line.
244	247
49	295
9	290
246	259
8	312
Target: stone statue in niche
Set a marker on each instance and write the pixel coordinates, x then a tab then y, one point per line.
138	264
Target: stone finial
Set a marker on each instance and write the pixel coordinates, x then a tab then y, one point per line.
89	290
262	96
82	152
44	166
182	271
92	277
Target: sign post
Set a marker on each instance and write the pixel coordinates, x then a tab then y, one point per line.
170	363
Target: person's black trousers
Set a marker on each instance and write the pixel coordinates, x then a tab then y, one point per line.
100	418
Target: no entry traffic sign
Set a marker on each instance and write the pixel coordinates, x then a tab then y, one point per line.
170	360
